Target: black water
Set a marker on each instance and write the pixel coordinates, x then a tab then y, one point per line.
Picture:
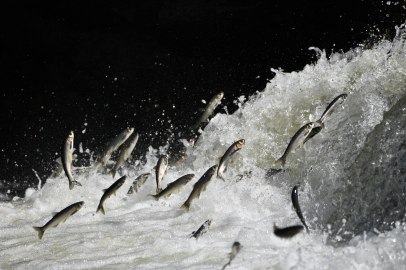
100	66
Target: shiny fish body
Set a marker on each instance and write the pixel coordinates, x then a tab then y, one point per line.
313	133
59	217
296	141
140	180
287	232
234	251
66	158
174	186
295	202
211	106
160	170
200	186
203	229
225	160
331	108
124	154
114	144
108	192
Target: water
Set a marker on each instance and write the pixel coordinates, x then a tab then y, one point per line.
351	177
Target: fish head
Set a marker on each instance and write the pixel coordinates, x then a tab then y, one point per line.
214	168
344	96
240	143
165	158
189	177
209	222
122	181
310	126
220	96
236	247
80	204
70	137
129	130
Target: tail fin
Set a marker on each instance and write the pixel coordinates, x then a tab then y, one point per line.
158	190
320	123
186	205
156	197
100	207
40	231
113	173
71	185
307	229
282	161
221	177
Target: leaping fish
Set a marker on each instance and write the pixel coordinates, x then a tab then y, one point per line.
200	186
128	147
108	192
295	202
209	110
296	141
203	229
66	157
331	108
140	180
59	217
234	251
174	186
160	170
114	144
225	160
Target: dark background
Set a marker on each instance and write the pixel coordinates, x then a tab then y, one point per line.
148	65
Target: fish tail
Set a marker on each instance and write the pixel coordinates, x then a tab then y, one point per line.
77	183
156	197
113	173
186	205
40	231
307	229
71	185
220	176
100	207
158	190
320	123
281	161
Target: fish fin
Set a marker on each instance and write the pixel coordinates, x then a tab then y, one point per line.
307	229
54	213
64	220
218	160
198	195
307	133
40	231
158	190
59	160
104	190
56	225
77	183
114	193
221	177
112	173
71	166
100	207
70	185
281	161
186	205
194	184
301	143
334	111
131	190
176	191
156	197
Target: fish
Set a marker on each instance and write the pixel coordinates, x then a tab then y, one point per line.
234	251
313	133
124	154
160	170
296	141
295	202
174	186
66	159
200	186
202	230
140	180
114	144
287	232
59	217
108	192
331	108
225	160
209	110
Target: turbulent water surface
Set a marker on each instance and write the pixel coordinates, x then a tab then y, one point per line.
351	177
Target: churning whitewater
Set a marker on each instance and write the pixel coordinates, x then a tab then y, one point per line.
350	178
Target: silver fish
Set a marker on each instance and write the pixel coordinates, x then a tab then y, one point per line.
203	229
295	202
200	186
108	192
114	144
287	232
174	186
59	217
296	141
140	180
331	108
126	151
160	170
234	251
66	157
225	160
313	133
211	106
